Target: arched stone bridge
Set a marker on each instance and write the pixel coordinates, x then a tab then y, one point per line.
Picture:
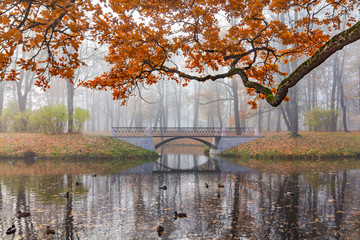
221	139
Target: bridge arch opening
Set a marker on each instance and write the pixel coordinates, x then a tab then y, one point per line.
180	137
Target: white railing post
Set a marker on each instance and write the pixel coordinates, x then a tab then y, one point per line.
113	132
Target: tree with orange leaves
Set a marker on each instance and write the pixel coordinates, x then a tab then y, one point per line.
228	37
47	32
216	39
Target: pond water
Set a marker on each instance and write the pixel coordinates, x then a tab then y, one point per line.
130	205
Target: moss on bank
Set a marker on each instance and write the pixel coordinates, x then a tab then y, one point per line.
308	145
68	146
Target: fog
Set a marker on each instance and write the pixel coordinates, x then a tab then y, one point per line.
334	85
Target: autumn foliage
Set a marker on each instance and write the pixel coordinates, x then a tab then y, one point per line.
43	36
314	146
68	146
201	40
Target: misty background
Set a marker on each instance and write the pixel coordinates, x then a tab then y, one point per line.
330	94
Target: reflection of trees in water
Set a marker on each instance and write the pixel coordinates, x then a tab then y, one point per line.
311	213
190	162
69	219
253	206
338	195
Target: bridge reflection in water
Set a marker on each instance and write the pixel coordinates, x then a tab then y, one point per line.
176	163
193	163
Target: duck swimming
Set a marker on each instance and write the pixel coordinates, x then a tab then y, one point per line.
23	214
163	188
160	230
66	195
220	186
49	230
289	193
78	183
11	230
206	185
179	215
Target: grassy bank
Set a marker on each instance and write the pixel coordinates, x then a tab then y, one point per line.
68	146
312	146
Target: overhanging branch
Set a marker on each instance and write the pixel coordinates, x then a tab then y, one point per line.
336	43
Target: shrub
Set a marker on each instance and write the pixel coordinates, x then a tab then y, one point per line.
7	119
13	120
50	119
319	120
80	116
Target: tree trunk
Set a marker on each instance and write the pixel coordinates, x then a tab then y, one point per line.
178	104
308	92
210	108
289	109
278	123
343	106
70	105
218	106
25	83
259	119
341	94
157	119
197	105
165	104
2	87
25	79
294	113
269	121
93	113
132	120
22	102
138	115
333	91
285	117
234	87
98	112
209	116
161	106
294	116
314	94
21	98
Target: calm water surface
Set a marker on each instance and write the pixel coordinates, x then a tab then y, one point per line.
130	205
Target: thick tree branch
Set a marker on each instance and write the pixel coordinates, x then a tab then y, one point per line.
336	43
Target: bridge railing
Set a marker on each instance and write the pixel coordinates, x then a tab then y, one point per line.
183	131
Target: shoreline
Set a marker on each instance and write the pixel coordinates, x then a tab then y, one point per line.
309	146
281	146
68	146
